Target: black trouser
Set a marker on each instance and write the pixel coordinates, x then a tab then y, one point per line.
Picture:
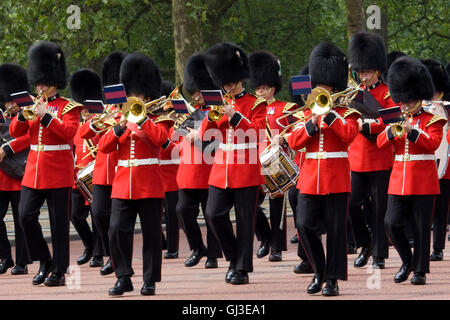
440	216
238	249
272	232
101	213
376	185
329	212
121	235
188	211
172	227
58	203
400	209
78	215
22	255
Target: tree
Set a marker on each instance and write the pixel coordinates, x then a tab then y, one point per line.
356	19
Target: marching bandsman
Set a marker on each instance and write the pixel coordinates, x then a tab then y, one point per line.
265	79
236	172
370	166
85	84
49	171
13	78
414	179
194	171
324	181
442	93
105	164
138	145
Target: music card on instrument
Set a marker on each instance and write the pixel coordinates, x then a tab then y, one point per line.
115	94
366	104
179	105
212	97
94	106
301	85
391	115
22	99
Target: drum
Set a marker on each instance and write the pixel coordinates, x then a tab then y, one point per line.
442	152
84	181
280	171
13	166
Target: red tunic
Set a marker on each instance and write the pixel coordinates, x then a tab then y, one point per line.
138	174
236	161
8	183
169	161
415	176
447	171
326	168
46	167
363	154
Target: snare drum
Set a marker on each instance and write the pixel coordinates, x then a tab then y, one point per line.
280	171
84	181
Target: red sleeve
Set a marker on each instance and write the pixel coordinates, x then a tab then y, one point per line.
345	128
67	127
430	139
18	128
109	141
20	144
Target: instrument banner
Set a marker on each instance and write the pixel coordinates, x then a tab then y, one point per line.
301	85
94	106
391	115
212	97
366	104
22	99
115	94
179	105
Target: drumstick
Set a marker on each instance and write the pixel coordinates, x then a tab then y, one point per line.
283	212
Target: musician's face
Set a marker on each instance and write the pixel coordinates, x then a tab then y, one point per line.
368	77
407	106
198	98
233	88
265	92
44	87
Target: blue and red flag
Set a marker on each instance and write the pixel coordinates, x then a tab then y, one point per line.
391	115
179	105
94	106
301	85
22	99
212	97
115	94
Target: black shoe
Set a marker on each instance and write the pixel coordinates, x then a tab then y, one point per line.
122	285
230	273
43	272
378	263
294	239
195	257
418	278
211	263
363	257
171	254
5	264
437	255
96	262
303	267
56	279
239	277
316	284
19	269
403	274
148	289
275	256
85	257
263	249
107	268
331	288
351	249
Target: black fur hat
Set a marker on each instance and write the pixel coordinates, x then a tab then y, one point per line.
166	88
196	76
328	65
85	84
226	63
438	74
140	75
111	68
265	69
47	65
447	67
298	98
392	56
409	80
367	52
13	78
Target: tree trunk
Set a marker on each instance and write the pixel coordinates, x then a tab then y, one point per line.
356	18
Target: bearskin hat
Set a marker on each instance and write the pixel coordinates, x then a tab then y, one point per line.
111	68
298	98
392	56
196	76
166	88
13	78
226	63
447	67
438	74
265	69
47	65
140	75
367	52
85	84
328	65
409	80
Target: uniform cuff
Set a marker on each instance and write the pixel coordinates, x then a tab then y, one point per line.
330	118
46	119
166	144
366	128
8	150
389	133
118	131
20	117
311	128
237	117
140	123
413	135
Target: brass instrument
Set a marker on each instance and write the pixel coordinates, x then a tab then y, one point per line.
29	112
215	114
105	121
397	128
10	110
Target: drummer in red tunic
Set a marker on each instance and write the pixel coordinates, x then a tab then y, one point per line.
414	179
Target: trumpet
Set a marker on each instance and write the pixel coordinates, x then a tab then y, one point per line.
397	128
10	110
105	120
215	114
29	112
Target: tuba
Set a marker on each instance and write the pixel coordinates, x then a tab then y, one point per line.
29	112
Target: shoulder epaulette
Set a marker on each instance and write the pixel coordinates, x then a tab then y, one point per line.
388	94
289	106
258	102
435	119
70	106
163	118
349	112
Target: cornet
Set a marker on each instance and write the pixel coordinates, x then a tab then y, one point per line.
29	112
215	114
